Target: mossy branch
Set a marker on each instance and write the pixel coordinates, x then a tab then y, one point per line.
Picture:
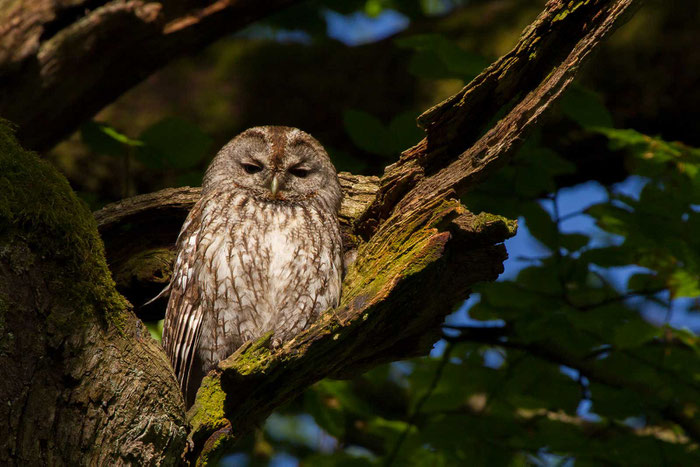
395	296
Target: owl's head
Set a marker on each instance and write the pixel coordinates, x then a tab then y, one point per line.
276	164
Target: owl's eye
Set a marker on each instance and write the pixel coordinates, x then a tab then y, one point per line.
251	168
299	172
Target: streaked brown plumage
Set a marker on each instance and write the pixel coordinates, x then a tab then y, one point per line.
259	252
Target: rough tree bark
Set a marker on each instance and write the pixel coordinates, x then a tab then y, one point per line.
113	43
81	380
89	374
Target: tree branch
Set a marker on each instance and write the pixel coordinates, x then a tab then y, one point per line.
418	249
525	82
61	62
396	294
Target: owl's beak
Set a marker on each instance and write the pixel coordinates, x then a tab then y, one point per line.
274	186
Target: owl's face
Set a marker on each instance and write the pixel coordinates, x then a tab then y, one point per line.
276	164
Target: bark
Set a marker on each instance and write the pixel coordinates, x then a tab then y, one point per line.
81	380
113	44
418	251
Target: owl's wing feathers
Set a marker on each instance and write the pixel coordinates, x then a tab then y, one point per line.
183	317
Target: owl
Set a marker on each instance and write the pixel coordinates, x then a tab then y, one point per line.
260	251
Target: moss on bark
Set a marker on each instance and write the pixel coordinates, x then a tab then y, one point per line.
82	381
38	206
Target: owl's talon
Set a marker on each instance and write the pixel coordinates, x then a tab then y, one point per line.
276	343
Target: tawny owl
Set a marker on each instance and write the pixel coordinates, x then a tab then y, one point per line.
261	250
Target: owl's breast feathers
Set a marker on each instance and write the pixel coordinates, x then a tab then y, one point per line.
246	267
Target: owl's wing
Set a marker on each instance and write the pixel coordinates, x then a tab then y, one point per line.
183	316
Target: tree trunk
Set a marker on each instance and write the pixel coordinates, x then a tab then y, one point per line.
81	379
86	383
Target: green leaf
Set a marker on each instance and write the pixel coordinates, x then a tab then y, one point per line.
573	241
469	440
484	312
541	225
643	282
322	408
508	295
104	139
368	133
609	256
634	333
683	283
543	279
428	65
342	391
373	8
404	131
603	320
617	403
337	459
155	328
611	218
438	57
585	107
533	383
175	142
532	181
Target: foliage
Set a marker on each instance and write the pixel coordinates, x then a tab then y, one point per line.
437	57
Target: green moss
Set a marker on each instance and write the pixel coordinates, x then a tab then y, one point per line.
207	414
208	409
213	453
38	209
560	16
206	417
570	8
405	254
252	356
487	218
